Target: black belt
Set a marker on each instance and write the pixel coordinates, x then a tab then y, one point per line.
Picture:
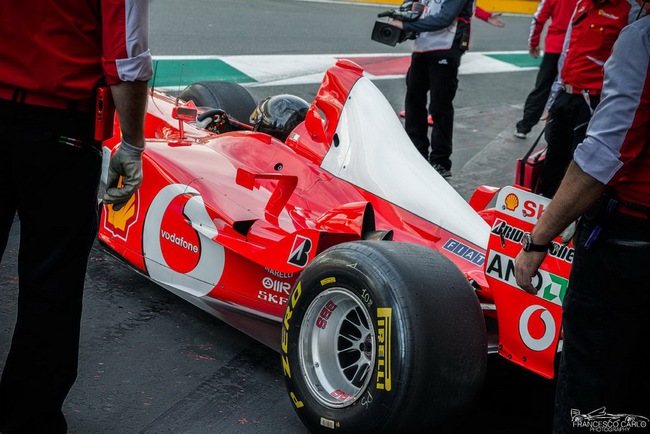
21	96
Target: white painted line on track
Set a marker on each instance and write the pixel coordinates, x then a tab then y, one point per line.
272	70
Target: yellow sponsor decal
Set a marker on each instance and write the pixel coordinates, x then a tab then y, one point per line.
285	366
327	281
296	401
384	325
288	313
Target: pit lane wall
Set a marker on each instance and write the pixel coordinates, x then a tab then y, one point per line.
506	6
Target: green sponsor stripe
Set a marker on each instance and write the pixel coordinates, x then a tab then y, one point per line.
522	60
177	72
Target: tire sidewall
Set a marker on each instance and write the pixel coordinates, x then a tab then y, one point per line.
373	406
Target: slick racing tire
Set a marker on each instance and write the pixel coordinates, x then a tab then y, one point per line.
381	336
232	98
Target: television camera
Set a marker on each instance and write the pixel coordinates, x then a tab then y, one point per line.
388	34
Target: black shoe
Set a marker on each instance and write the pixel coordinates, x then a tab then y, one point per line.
445	173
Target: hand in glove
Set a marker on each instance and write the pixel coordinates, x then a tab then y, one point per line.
127	163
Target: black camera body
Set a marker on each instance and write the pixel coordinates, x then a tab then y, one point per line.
387	33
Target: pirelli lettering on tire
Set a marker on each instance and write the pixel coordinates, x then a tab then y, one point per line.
327	281
288	313
384	325
286	323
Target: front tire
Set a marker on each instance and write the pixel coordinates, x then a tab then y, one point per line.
382	337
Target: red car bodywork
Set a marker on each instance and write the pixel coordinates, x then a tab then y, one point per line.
228	221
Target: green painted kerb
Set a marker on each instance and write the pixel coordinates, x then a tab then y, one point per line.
177	72
522	60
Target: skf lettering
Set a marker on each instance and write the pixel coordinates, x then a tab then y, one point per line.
384	324
271	298
464	251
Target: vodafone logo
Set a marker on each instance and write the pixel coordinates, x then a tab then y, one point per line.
177	255
537	330
179	242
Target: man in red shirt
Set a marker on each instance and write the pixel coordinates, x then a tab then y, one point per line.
53	54
593	29
605	311
560	12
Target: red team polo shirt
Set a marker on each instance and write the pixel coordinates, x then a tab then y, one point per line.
595	26
62	48
617	149
559	12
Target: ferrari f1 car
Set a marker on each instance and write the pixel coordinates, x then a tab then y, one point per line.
338	245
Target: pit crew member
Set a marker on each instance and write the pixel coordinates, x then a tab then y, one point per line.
606	323
53	54
559	12
593	29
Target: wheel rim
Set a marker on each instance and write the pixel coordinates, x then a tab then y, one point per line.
337	347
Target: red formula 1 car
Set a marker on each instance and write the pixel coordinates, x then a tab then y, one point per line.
382	289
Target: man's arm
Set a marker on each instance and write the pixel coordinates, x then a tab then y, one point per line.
131	103
127	67
540	17
445	17
577	193
126	164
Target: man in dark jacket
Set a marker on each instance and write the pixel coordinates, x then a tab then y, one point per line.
443	33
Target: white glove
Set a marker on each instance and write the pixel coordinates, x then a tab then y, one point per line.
127	163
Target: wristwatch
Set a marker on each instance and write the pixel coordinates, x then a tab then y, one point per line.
529	246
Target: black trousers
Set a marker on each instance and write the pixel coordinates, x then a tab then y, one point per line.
537	98
606	326
434	73
566	128
52	186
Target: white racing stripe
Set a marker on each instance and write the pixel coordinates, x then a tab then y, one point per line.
310	68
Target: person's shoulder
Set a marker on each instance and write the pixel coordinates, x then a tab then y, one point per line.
638	31
642	25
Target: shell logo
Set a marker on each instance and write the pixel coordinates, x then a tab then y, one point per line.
511	202
119	222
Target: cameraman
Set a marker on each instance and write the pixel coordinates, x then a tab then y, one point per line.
443	32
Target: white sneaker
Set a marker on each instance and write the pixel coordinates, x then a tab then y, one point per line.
520	135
